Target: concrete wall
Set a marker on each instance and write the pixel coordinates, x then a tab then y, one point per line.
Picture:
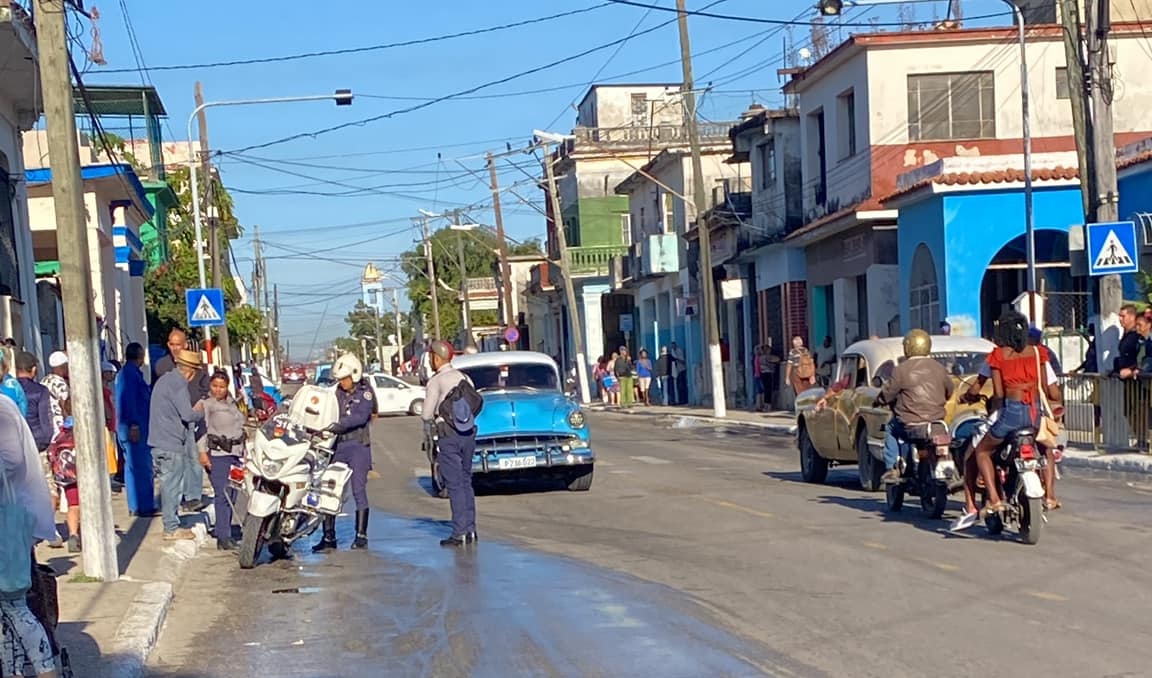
922	223
27	335
611	106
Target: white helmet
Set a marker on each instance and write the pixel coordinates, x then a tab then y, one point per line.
347	365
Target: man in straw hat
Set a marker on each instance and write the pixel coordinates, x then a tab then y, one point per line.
169	423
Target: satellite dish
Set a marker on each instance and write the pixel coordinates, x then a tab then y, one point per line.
805	54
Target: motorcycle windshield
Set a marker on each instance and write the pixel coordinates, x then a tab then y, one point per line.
282	429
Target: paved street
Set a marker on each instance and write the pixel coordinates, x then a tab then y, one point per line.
696	553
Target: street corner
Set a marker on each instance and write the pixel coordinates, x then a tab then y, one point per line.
1116	462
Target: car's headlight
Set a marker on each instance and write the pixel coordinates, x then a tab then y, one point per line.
576	419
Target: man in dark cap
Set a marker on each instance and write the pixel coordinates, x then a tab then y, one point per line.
456	442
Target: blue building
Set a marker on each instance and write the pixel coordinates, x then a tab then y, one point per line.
961	243
1134	174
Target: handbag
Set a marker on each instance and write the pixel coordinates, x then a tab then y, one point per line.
16	524
1049	429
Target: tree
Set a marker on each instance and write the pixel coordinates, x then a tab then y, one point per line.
480	261
361	321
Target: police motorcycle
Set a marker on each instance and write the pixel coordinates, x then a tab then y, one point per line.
289	479
927	469
1019	463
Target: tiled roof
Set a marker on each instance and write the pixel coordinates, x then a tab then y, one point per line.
1134	160
862	206
984	178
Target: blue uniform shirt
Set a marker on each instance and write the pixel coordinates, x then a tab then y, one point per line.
356	409
10	387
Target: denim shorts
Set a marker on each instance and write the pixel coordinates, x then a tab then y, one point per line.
1012	416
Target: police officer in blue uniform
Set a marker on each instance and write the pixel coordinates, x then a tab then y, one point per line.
353	444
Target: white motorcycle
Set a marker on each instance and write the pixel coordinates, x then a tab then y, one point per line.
289	478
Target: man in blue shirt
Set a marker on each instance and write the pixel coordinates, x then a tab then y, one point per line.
132	407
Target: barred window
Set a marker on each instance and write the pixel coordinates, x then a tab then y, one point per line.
948	106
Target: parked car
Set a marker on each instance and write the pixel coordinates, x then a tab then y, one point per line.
324	375
293	374
528	426
395	396
849	430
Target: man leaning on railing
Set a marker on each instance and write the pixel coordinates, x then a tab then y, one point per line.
1127	367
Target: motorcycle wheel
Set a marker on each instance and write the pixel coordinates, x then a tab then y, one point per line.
255	529
1031	518
894	495
933	495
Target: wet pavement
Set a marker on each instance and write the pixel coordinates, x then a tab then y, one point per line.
411	608
697	552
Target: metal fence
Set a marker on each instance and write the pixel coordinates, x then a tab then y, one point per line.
1107	413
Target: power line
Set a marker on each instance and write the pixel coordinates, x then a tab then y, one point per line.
447	97
781	22
367	48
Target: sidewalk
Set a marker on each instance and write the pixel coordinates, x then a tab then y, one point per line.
783	422
109	629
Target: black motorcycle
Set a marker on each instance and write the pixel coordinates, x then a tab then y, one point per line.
927	469
1019	464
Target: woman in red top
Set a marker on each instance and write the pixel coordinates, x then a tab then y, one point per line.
1018	370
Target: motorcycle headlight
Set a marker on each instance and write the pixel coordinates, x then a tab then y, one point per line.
271	467
576	419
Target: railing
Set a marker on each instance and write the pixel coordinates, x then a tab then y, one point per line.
656	135
594	259
1107	413
481	284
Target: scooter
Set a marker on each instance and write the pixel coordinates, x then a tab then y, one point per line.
927	469
289	478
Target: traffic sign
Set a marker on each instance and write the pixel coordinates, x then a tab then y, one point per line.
512	335
1112	248
626	324
205	307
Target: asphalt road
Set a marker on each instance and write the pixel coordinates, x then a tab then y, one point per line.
696	553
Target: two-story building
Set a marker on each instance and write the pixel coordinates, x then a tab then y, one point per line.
883	105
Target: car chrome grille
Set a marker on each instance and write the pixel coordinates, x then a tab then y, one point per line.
522	443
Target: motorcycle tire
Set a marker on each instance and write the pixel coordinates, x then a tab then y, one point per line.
934	500
255	529
1031	519
994	523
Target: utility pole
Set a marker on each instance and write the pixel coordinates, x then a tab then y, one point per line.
1105	196
505	269
276	329
431	275
574	324
468	341
100	560
258	281
399	335
215	248
271	332
707	287
1070	17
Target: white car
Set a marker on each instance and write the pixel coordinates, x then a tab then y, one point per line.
396	396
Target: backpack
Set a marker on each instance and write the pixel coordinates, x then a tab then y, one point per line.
805	365
62	457
460	407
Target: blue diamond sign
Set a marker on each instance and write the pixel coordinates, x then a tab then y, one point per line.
205	307
1112	248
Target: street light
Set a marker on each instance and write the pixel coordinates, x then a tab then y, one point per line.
835	7
342	97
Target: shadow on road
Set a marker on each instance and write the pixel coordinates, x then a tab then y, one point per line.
843	480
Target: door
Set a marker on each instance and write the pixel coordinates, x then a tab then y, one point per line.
851	374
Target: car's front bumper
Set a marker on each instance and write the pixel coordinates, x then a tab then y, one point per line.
530	454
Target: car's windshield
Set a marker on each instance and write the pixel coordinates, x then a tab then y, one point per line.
958	363
324	375
523	376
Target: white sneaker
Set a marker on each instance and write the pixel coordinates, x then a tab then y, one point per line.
964	522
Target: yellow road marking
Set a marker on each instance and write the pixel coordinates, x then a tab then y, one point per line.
876	545
947	567
1044	595
736	507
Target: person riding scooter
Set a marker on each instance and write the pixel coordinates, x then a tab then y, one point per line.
918	393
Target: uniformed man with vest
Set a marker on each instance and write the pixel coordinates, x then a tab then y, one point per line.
353	444
456	444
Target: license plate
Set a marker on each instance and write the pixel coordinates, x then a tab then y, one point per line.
945	470
508	463
1027	465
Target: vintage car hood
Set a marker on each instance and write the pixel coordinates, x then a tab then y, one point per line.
511	412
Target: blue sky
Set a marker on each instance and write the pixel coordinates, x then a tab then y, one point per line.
397	157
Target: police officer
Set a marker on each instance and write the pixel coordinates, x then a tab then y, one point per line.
456	446
353	444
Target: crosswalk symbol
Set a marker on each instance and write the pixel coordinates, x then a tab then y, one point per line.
205	312
1112	254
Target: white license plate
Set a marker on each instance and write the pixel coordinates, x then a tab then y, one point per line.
508	463
945	470
1027	465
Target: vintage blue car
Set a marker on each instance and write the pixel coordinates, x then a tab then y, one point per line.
528	426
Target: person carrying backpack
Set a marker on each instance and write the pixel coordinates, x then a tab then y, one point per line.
451	404
801	369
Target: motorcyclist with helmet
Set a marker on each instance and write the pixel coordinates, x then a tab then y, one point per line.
353	444
918	393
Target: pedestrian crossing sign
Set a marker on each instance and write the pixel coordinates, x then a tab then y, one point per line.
205	307
1112	248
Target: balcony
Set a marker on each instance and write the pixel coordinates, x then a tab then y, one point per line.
20	82
657	136
483	294
595	260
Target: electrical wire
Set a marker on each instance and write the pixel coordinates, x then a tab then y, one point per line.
368	48
782	22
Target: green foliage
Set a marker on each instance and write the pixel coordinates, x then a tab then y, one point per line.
361	321
245	325
480	261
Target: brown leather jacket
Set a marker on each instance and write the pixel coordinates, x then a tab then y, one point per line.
918	391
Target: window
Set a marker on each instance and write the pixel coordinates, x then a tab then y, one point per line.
853	372
847	105
626	228
819	156
951	106
385	382
506	377
923	292
1062	83
767	165
669	213
640	108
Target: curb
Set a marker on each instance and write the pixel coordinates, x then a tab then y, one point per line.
140	628
690	420
1117	463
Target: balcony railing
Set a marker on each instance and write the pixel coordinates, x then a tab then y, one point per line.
657	135
478	286
594	260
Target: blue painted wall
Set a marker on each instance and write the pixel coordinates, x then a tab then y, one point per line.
921	223
1136	196
965	231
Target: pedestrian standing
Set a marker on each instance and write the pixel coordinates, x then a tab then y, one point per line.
170	423
769	374
191	473
108	371
56	381
800	372
679	374
132	396
62	457
41	421
9	384
353	444
26	507
456	439
220	450
644	375
624	370
599	373
663	374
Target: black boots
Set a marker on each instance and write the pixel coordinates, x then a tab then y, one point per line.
361	541
328	541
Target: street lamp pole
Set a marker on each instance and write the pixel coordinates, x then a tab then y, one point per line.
342	97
